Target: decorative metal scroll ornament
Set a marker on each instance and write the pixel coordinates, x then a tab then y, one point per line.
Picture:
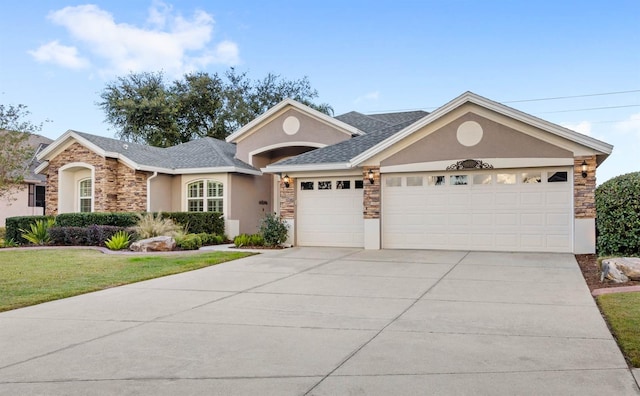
469	164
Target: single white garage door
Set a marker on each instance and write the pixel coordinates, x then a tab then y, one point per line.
329	212
505	210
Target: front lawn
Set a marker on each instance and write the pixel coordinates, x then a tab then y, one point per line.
622	312
29	277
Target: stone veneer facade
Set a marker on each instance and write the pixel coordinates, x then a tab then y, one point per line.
584	188
288	200
371	200
116	187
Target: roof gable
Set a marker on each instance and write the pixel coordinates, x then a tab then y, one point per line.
255	124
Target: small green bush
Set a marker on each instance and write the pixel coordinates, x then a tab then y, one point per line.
15	224
3	232
120	240
7	243
38	232
248	240
199	222
618	215
274	230
189	242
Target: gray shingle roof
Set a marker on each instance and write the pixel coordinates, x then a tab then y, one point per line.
344	151
201	153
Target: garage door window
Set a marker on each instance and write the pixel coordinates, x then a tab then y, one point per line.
306	186
394	182
458	180
343	184
506	178
531	177
435	180
481	179
557	177
359	185
414	181
324	185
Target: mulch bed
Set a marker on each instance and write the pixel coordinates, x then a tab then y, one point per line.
591	273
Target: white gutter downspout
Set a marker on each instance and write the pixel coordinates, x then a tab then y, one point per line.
149	190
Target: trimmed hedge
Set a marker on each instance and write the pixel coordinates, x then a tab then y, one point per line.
93	235
198	222
618	215
87	219
15	224
195	222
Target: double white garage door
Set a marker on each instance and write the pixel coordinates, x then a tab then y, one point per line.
514	210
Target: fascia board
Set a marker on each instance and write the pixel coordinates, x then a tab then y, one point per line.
191	171
44	165
306	167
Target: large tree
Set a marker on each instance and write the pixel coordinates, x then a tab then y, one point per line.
15	151
143	108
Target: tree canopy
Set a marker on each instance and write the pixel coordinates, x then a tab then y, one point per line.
15	151
144	108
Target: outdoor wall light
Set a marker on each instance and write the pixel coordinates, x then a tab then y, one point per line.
370	176
584	168
286	180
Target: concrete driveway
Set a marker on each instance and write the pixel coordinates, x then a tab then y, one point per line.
326	322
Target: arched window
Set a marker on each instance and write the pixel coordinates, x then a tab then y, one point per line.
201	199
85	194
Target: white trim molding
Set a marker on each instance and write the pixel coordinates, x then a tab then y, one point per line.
497	163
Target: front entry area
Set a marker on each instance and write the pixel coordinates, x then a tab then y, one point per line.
329	212
527	210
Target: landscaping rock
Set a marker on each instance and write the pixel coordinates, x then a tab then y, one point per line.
621	269
156	244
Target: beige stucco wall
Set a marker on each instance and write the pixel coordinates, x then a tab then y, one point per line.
498	141
18	205
161	193
272	135
247	192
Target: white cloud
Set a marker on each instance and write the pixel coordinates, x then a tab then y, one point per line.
583	127
632	124
172	42
375	95
59	54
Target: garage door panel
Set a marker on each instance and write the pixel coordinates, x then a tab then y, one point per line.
511	217
331	217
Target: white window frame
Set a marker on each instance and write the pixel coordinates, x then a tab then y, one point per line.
82	197
208	202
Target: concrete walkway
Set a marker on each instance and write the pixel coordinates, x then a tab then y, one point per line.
326	322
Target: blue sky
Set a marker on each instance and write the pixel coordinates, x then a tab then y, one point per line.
367	56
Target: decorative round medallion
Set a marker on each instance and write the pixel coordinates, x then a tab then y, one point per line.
291	125
469	133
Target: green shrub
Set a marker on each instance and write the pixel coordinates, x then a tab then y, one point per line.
3	232
118	241
189	242
248	240
15	224
199	222
86	219
95	235
274	230
618	215
38	232
151	225
7	243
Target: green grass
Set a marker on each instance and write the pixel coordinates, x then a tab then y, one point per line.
622	312
29	277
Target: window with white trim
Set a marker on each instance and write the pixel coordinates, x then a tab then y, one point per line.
201	199
85	194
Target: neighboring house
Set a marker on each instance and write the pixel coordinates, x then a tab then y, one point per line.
30	199
473	174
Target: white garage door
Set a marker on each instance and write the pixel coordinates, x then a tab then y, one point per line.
506	210
329	212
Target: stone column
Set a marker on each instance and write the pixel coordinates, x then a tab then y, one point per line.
371	207
584	205
288	207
